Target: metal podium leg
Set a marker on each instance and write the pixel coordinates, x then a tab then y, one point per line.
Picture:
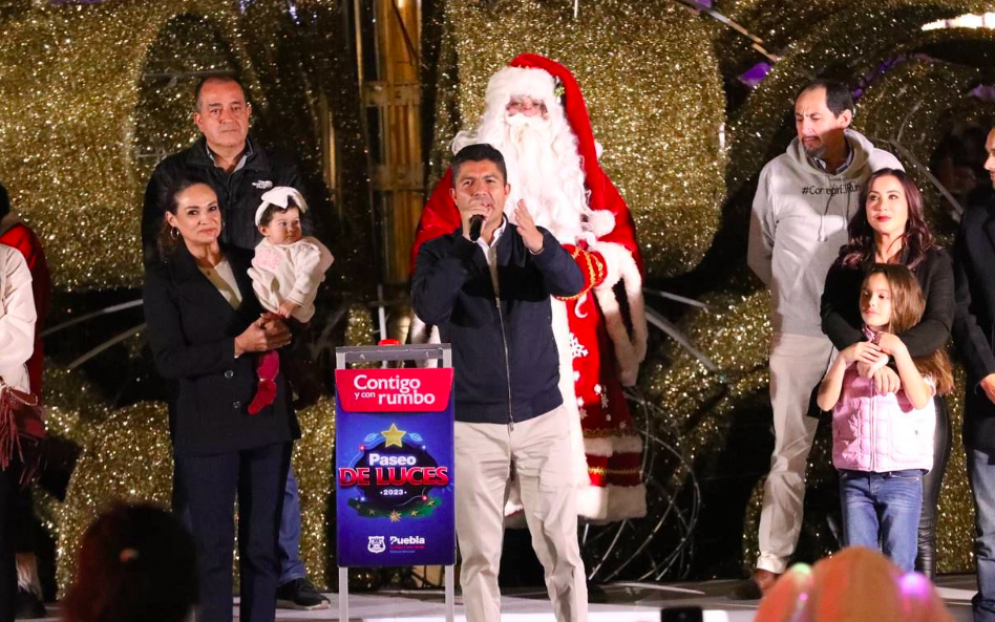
450	594
343	594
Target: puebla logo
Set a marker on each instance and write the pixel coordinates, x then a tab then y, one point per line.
394	474
375	544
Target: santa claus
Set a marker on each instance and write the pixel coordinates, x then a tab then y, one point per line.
552	161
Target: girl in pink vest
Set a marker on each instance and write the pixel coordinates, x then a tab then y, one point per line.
883	442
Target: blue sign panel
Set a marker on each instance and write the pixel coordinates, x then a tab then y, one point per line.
395	467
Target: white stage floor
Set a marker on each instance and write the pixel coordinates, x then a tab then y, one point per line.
626	602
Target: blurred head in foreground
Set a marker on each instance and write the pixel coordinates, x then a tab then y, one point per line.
855	585
136	564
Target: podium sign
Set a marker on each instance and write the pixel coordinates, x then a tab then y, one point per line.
394	467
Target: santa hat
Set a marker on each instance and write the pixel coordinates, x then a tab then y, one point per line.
536	76
281	197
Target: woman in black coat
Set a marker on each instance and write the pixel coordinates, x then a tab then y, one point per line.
205	326
889	228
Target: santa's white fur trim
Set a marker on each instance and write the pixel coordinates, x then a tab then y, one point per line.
628	444
622	267
612	503
601	222
627	502
609	446
592	502
561	334
418	331
520	81
599	447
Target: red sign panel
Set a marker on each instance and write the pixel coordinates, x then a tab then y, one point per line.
394	390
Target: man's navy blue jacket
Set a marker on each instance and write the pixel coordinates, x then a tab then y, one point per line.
494	338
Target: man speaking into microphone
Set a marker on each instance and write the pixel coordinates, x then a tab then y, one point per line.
487	287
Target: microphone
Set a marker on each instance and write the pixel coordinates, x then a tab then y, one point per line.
476	224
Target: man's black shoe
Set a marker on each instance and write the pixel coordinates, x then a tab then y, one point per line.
27	606
300	594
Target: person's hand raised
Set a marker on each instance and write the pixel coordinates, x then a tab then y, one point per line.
526	228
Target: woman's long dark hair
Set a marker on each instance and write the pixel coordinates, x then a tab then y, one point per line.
859	249
168	240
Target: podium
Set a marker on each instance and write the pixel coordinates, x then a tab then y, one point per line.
394	463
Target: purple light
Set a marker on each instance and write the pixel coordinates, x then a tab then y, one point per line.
984	92
755	74
914	585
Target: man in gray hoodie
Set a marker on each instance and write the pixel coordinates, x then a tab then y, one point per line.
805	198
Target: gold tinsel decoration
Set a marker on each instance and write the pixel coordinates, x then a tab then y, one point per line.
314	456
70	96
841	47
651	82
941	93
735	336
127	457
360	331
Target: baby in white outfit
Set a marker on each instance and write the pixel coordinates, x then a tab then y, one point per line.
287	268
286	272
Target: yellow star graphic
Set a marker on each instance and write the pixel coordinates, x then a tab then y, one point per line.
414	513
395	516
393	436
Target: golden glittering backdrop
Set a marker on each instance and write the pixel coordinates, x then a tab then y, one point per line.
653	90
840	46
186	48
70	82
941	93
650	76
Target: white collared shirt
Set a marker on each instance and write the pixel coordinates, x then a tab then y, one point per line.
490	253
222	277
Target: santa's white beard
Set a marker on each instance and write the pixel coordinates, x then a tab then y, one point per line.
541	177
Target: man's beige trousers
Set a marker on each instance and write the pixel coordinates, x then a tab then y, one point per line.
797	365
538	451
